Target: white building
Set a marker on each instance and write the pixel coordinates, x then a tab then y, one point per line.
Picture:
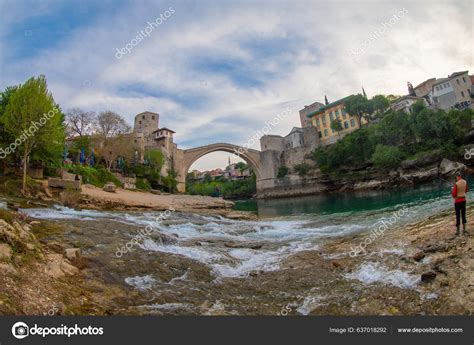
406	102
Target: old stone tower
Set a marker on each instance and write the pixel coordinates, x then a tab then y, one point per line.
146	123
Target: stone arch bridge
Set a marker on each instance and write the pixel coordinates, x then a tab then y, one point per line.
185	158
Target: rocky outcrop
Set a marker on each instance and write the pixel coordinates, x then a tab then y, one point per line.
425	160
57	267
72	253
448	167
64	184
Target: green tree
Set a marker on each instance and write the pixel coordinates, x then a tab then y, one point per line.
155	159
395	129
380	103
35	120
358	106
336	126
5	96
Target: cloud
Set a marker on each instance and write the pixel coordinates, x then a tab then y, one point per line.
217	71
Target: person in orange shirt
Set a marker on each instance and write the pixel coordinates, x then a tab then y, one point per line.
459	195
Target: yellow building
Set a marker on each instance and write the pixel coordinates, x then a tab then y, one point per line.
321	119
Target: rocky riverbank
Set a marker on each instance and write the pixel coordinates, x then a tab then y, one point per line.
420	268
426	169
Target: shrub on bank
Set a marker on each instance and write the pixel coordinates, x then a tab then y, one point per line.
97	177
143	184
386	157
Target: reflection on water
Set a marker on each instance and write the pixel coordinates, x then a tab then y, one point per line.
343	202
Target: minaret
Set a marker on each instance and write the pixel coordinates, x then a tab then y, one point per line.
363	92
326	100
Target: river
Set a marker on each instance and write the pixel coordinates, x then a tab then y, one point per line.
195	264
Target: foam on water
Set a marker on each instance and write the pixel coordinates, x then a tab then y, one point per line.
170	306
61	212
309	304
141	283
372	272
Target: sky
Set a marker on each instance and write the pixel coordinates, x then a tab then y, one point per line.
217	71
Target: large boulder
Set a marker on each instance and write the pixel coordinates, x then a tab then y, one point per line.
427	159
448	167
60	183
419	175
110	187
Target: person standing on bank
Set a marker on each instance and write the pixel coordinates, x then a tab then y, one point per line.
459	195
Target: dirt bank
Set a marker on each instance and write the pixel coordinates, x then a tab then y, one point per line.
96	198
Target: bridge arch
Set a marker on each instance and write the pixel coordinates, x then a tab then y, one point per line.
252	157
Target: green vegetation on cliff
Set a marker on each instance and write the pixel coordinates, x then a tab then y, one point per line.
398	136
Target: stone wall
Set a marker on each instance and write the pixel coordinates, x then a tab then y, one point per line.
272	142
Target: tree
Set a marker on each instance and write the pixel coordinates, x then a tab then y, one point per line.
112	148
5	96
110	124
155	159
386	157
358	106
395	129
35	120
241	166
336	126
380	103
80	122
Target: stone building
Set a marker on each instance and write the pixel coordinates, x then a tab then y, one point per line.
147	135
322	117
452	92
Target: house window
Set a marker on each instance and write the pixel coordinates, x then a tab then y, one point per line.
346	125
463	79
331	116
143	117
325	132
337	114
139	122
457	80
320	135
317	122
353	123
153	117
462	94
323	118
